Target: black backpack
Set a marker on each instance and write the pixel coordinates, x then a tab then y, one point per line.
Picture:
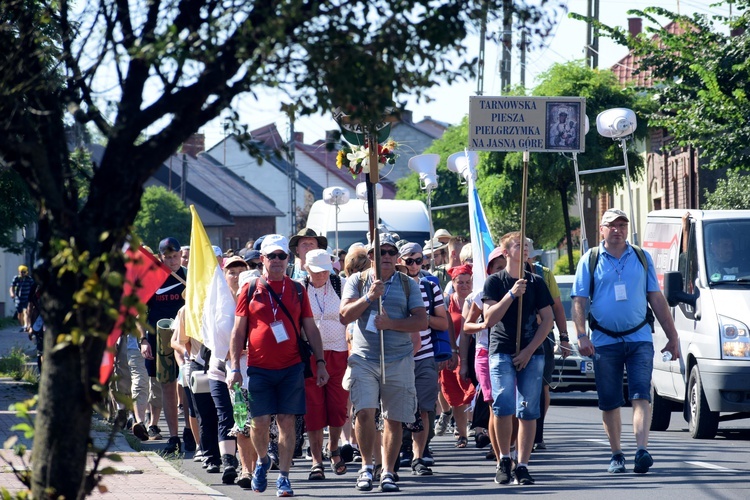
593	323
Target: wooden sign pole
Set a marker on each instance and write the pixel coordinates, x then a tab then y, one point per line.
522	264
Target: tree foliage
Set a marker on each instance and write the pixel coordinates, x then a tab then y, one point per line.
16	211
147	74
731	193
162	214
701	75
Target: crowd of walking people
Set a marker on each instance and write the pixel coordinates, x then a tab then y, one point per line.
322	346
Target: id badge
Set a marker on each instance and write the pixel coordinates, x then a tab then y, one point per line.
371	323
277	327
620	292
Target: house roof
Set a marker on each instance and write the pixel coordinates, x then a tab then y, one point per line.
625	68
222	186
269	141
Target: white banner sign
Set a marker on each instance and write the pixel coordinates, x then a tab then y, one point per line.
543	124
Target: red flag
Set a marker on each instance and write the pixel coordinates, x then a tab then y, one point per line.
144	273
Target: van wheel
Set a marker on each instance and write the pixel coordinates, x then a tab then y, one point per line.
703	423
661	411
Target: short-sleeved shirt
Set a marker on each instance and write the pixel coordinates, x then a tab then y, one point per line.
425	349
263	350
366	344
167	300
325	304
536	297
613	314
22	289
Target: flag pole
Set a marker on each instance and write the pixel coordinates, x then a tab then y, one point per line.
522	264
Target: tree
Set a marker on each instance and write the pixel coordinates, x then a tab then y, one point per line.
162	214
16	211
700	79
732	193
148	74
553	175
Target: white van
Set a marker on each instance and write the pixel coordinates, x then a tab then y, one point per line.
408	218
702	260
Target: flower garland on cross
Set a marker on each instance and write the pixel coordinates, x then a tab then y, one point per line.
356	158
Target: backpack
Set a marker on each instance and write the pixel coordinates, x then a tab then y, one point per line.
593	324
335	283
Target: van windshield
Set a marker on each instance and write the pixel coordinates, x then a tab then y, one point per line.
347	238
727	250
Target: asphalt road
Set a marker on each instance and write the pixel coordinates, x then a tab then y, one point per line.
573	466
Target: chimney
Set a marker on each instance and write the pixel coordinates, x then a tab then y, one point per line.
195	144
299	137
635	26
406	116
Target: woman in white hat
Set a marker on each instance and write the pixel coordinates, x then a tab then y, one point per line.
326	406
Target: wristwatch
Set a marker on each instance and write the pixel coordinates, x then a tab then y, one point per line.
321	361
581	335
143	340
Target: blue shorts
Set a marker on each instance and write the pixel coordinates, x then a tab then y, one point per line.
515	392
276	392
609	362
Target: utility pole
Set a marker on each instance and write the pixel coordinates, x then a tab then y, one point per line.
592	35
523	56
505	64
183	184
482	36
289	109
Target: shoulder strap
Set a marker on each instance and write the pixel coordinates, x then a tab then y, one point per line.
593	259
278	300
335	283
251	289
362	277
405	284
427	285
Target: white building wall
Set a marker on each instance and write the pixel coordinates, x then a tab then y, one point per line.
641	200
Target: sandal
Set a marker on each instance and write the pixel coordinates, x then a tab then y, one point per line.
461	442
387	483
338	466
317	473
364	481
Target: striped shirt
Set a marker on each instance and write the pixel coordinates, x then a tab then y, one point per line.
425	350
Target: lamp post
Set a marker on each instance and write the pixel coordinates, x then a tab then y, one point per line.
336	196
426	167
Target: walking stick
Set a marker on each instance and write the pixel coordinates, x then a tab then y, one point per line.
521	265
371	180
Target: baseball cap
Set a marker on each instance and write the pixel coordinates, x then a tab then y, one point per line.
408	249
273	242
169	245
385	239
235	260
217	251
497	252
252	255
612	215
258	243
533	253
318	260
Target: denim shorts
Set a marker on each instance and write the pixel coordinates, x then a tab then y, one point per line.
276	392
514	391
609	362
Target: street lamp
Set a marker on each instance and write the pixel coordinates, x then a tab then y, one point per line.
426	167
336	196
620	124
362	191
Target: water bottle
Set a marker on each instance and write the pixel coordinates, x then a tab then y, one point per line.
667	356
240	408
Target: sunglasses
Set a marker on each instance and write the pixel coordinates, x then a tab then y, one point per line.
255	265
280	256
392	253
417	261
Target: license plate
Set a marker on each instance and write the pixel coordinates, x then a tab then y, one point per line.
587	366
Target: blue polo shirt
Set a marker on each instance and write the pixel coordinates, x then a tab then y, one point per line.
613	314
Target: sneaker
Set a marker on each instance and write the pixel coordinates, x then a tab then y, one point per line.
198	456
212	467
364	480
617	464
260	481
154	433
418	468
245	481
405	457
522	476
503	474
356	456
427	457
173	446
481	440
284	487
490	455
388	483
642	462
230	469
442	424
539	446
139	431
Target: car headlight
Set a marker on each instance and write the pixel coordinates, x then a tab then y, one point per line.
735	340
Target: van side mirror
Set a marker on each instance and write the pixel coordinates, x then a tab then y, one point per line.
673	290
